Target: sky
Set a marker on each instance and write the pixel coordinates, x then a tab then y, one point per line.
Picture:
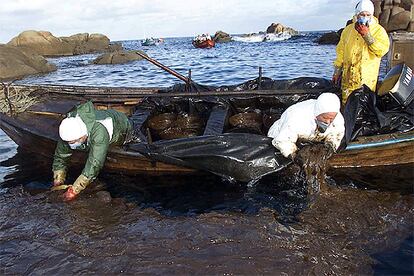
137	19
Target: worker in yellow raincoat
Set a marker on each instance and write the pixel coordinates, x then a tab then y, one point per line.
359	52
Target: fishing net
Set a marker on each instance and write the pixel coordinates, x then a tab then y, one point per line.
14	100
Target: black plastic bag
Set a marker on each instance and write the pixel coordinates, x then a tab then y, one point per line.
235	156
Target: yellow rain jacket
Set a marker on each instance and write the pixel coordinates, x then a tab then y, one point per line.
359	62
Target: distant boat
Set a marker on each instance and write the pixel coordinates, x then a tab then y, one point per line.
204	41
152	41
204	44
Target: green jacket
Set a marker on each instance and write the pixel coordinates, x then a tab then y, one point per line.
98	140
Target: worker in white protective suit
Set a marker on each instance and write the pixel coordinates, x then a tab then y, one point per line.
312	120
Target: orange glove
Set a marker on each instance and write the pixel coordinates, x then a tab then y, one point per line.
69	194
362	29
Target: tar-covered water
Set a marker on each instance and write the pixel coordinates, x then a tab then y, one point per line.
197	225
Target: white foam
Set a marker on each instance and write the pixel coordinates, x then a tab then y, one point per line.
263	37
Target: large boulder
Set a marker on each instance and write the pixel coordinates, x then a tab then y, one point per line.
395	15
16	63
222	37
42	43
87	43
277	28
118	57
329	38
45	44
399	21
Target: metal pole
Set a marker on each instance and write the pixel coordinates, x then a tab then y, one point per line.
165	68
260	78
189	80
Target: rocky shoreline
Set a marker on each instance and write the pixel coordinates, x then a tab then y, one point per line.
25	54
276	29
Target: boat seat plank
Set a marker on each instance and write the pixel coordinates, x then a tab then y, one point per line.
54	106
217	120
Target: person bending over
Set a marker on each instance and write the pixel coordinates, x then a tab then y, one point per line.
313	120
90	130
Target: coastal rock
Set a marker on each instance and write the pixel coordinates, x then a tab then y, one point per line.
115	47
45	44
395	15
16	63
87	43
329	38
42	43
277	28
399	21
118	57
222	37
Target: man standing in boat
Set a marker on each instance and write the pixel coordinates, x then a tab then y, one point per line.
359	51
313	120
90	130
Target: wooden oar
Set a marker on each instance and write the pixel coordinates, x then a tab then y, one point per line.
165	68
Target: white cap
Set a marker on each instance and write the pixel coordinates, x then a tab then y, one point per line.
327	102
72	128
364	6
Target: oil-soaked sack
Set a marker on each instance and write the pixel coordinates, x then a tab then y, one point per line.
236	156
365	114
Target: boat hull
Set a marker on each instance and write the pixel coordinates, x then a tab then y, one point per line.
35	130
206	44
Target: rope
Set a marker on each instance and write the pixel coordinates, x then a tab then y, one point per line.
15	100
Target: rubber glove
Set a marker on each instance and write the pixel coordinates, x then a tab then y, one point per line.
80	183
59	177
362	29
69	195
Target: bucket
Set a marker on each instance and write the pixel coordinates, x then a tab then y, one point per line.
399	83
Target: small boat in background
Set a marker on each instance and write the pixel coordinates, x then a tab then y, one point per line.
152	41
203	41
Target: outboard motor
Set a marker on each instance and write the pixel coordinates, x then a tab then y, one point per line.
399	84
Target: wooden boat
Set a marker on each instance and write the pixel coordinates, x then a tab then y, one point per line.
206	44
36	130
151	41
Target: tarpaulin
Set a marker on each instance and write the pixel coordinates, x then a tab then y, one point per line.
230	148
235	156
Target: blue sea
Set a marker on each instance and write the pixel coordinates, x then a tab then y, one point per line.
227	63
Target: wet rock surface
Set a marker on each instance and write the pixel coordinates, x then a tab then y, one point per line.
118	57
222	37
277	28
329	38
194	225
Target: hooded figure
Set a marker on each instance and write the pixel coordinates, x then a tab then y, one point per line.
89	130
359	51
312	120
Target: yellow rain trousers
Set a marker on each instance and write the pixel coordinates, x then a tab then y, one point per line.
359	61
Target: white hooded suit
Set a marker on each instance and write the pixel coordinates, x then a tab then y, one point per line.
299	122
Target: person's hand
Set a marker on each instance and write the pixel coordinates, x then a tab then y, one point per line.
69	194
362	29
57	183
